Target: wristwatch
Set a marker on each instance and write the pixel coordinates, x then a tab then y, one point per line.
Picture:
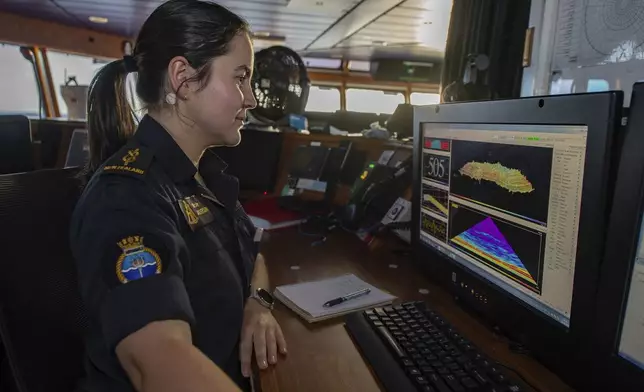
265	298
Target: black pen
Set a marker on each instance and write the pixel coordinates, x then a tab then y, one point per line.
339	300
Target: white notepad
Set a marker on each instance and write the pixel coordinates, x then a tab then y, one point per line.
307	299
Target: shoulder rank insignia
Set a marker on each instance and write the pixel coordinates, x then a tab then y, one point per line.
133	160
197	214
137	261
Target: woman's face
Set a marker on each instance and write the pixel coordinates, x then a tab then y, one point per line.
219	109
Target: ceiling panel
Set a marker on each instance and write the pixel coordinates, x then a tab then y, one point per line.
320	24
424	22
41	9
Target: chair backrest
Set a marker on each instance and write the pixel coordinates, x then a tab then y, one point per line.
15	144
42	319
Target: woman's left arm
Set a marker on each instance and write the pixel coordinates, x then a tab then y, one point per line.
260	329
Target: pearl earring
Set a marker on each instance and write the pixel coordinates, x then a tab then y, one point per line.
171	98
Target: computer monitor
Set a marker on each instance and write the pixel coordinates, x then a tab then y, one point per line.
307	162
255	161
619	323
78	151
510	210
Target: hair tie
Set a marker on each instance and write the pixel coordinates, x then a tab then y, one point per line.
130	64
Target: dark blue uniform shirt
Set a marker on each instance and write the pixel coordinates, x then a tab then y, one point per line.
152	243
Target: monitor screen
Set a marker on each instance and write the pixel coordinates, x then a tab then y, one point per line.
255	161
504	202
631	344
308	161
78	151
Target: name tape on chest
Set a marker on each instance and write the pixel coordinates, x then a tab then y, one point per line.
133	161
197	214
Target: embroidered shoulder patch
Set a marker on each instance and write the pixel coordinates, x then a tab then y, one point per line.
132	160
137	261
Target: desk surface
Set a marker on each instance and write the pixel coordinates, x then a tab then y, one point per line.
322	356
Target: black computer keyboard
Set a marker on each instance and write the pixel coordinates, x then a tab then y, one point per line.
412	348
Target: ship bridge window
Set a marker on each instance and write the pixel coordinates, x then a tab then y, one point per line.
18	83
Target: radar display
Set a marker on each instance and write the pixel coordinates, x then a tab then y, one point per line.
510	179
513	179
434	227
509	248
435	199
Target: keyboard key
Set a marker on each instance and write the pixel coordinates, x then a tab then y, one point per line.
369	312
420	380
380	312
462	359
460	373
442	371
427	388
377	324
417	357
447	359
427	370
398	308
479	377
389	309
422	362
453	366
436	364
469	383
413	371
408	362
373	318
514	388
392	343
453	383
438	383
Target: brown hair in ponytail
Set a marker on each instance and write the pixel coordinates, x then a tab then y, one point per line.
110	118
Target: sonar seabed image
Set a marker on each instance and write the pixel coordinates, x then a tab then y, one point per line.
485	240
510	179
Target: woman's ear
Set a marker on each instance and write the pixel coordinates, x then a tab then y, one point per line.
179	71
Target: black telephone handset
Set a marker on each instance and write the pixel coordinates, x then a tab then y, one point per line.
372	204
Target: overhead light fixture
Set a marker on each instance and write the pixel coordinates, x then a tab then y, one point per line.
98	19
379	43
265	39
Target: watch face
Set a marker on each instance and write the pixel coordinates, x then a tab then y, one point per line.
265	295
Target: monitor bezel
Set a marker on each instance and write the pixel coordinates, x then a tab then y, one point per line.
560	348
619	255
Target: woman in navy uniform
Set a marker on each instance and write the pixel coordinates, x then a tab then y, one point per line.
167	259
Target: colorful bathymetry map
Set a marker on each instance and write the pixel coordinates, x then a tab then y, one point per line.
486	241
510	179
